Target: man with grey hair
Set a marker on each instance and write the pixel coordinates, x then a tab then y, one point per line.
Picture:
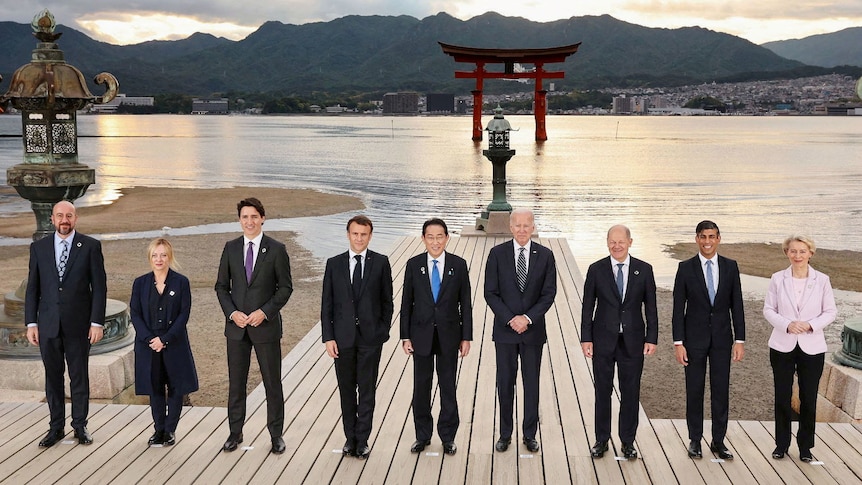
520	286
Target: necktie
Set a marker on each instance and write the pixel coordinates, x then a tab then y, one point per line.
64	257
710	286
435	281
620	285
357	276
522	270
249	261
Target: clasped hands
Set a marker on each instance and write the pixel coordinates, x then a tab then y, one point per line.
797	327
157	344
519	323
254	319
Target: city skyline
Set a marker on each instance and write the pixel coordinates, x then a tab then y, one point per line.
758	22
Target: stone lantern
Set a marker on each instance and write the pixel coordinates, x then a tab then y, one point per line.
495	219
48	93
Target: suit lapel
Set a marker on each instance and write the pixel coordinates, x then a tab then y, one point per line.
701	276
425	278
75	246
262	254
366	272
446	276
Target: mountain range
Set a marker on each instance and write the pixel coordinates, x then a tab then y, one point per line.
357	54
838	48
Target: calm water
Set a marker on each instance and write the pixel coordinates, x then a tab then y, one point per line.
758	178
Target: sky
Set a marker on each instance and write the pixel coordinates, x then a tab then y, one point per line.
135	21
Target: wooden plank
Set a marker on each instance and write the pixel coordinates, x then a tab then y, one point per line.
841	460
126	440
191	437
736	470
710	471
787	469
746	452
675	449
24	422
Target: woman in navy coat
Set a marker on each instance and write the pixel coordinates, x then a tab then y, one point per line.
164	366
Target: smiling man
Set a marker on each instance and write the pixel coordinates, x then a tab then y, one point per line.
708	326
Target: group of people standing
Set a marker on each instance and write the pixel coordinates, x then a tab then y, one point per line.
67	291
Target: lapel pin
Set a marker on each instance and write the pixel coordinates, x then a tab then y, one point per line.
263	250
79	244
451	272
637	272
422	269
171	292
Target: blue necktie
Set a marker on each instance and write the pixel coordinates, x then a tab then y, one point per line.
710	286
620	278
435	280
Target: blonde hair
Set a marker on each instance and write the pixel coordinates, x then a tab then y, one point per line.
160	241
800	238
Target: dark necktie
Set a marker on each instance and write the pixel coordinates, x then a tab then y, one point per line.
357	276
64	257
435	281
522	270
249	262
620	282
710	285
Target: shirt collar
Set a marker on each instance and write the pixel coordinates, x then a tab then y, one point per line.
625	262
518	246
69	238
256	240
363	253
703	260
440	259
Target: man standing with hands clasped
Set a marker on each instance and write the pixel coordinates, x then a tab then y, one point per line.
520	287
619	292
65	314
253	285
436	324
708	325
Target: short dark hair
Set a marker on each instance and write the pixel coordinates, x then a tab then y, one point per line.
362	221
704	225
250	202
435	221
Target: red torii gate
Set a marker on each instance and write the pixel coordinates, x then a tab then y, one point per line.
508	57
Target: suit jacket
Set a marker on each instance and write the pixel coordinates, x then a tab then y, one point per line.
76	302
367	322
269	289
506	300
452	313
177	353
817	308
696	322
603	311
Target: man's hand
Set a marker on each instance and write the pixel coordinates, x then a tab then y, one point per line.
587	347
681	354
464	348
256	318
649	348
33	335
239	319
519	323
96	334
407	345
332	349
738	351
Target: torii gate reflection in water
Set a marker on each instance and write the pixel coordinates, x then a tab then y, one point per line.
508	57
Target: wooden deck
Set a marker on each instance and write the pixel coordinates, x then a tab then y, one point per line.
314	437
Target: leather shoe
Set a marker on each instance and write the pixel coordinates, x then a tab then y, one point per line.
721	451
449	448
349	448
363	451
531	444
168	439
156	439
502	444
278	445
232	442
419	445
778	453
598	450
805	455
694	450
52	438
83	436
629	451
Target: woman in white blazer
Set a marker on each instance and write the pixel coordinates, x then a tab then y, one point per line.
799	305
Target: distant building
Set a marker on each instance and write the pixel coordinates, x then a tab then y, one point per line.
622	105
440	103
203	106
122	99
401	103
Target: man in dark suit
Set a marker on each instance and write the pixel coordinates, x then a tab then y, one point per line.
253	285
708	325
619	293
520	286
436	323
355	314
65	314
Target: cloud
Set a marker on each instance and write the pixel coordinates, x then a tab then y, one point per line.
727	10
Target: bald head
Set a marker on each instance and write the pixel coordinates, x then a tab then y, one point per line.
619	242
64	217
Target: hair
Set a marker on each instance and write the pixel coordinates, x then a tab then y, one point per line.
803	239
522	211
620	226
362	221
160	241
705	225
250	202
435	221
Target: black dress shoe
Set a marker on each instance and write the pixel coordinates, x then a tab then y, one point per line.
419	445
778	453
349	448
449	448
278	445
721	451
232	442
52	438
531	444
598	450
694	450
83	436
156	439
168	439
363	451
805	455
629	451
502	444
